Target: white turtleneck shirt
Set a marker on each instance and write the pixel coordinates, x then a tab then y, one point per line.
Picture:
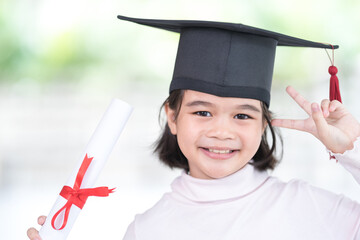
250	204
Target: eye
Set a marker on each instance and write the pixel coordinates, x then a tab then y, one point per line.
203	113
242	116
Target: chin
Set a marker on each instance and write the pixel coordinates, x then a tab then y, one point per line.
220	174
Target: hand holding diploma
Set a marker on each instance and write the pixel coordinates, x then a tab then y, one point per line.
32	233
80	185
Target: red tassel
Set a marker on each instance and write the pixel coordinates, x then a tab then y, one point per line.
334	81
334	84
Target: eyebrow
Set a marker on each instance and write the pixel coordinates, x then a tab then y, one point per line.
199	103
209	104
248	107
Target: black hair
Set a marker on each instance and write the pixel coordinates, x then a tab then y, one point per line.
170	154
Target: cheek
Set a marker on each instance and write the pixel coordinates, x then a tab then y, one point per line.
186	132
189	134
183	131
187	144
252	139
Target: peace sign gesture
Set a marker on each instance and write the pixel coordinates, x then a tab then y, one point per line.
332	124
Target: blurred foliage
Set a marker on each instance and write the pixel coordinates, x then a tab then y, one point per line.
52	41
64	57
10	49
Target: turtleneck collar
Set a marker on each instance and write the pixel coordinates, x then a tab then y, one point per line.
236	185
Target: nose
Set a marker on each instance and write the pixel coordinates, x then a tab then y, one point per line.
221	128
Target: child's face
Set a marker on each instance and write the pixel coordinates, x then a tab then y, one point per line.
217	135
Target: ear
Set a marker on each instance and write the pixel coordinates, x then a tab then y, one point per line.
264	126
171	121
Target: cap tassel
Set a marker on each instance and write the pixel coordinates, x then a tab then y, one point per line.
334	84
334	81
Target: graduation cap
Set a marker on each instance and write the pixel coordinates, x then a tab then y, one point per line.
228	59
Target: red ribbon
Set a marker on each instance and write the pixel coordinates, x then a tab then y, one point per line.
78	196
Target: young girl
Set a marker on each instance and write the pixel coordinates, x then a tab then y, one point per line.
217	125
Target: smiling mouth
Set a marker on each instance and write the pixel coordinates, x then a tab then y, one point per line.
217	151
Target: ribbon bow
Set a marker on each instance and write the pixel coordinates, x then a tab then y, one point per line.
78	196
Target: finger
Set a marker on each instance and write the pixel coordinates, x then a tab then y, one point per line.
41	220
33	234
325	107
300	100
289	123
320	122
334	105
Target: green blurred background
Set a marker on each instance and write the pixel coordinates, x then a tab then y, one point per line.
49	42
61	63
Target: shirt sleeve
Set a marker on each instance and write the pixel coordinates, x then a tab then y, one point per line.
333	213
130	232
350	160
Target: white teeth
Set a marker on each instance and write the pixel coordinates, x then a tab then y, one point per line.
220	151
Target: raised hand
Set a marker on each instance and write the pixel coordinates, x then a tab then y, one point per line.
332	124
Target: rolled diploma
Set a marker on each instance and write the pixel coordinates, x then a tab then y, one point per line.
99	147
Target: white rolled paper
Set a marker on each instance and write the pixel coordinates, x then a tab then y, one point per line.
99	148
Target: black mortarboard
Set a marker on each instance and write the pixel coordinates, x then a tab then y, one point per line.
225	59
